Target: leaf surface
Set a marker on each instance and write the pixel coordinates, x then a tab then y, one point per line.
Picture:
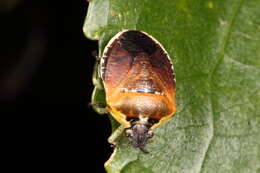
215	48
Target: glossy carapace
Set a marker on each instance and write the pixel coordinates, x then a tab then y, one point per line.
139	82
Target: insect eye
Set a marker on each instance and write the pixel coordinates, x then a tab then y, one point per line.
150	134
132	119
153	120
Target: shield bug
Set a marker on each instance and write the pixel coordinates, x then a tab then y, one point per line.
139	83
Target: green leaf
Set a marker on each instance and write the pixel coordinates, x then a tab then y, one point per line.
215	48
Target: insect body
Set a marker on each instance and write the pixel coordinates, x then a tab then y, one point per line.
139	83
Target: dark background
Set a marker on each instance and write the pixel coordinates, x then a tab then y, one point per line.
46	67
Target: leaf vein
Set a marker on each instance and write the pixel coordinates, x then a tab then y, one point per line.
220	58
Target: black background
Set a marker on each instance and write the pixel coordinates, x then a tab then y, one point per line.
46	67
